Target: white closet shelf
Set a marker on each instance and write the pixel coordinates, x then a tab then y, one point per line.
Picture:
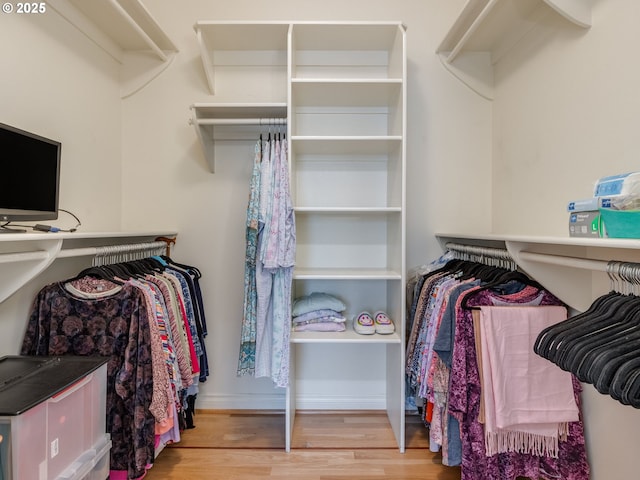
348	336
24	256
122	28
486	30
348	210
117	26
348	145
301	273
558	263
232	121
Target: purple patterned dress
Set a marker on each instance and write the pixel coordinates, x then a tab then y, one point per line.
114	326
464	403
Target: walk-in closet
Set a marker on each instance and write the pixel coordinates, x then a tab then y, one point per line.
281	153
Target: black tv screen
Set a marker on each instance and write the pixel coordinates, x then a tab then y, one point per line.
30	172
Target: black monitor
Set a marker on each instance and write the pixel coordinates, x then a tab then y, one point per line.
30	172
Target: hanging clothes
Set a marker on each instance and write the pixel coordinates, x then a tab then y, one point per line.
247	357
445	369
269	261
147	317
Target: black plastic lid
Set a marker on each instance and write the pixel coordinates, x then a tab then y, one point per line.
28	381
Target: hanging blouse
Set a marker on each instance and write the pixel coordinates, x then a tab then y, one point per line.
247	357
115	325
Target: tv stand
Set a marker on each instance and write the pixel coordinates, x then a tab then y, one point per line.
4	229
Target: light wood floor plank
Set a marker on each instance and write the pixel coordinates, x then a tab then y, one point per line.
327	446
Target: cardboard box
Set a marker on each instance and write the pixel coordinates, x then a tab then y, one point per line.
585	224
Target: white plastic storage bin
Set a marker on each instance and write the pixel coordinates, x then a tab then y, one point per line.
52	414
92	464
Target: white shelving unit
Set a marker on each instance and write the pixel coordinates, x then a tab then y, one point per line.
342	88
23	256
486	30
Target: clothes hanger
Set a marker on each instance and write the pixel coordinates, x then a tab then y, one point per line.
549	338
610	344
193	270
623	377
604	375
95	272
587	334
504	277
605	312
594	353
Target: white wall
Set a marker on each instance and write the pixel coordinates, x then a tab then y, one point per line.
161	152
565	113
56	83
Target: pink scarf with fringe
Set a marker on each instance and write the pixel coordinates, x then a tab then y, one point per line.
528	400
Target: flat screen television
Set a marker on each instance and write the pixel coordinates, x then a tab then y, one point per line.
30	171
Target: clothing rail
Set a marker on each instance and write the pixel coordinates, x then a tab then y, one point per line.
564	261
37	252
273	121
490	255
117	253
618	271
133	251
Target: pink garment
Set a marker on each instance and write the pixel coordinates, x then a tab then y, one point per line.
528	400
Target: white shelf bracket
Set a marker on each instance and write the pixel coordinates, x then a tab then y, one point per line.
19	268
576	11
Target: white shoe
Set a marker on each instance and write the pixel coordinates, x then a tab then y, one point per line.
383	323
364	324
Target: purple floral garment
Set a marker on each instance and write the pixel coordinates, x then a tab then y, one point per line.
114	326
464	402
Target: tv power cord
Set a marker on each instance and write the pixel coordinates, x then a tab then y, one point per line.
49	228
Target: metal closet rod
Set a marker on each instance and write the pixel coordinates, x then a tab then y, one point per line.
114	249
546	258
155	246
566	261
492	252
272	121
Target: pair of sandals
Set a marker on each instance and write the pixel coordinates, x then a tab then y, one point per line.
366	324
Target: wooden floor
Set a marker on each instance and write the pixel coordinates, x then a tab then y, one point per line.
326	446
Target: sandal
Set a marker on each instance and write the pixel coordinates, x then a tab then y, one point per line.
383	323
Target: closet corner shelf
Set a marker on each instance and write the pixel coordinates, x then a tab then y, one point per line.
117	26
24	256
485	30
557	262
232	121
126	31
